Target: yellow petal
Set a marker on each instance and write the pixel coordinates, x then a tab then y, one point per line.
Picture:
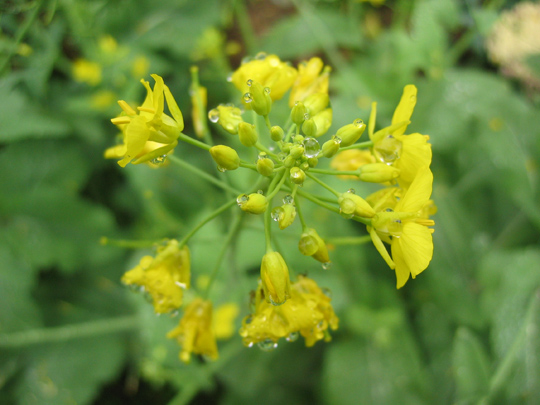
416	243
379	245
402	270
173	108
415	153
405	107
137	134
417	196
372	119
158	95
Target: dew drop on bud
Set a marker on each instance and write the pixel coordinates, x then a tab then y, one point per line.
242	199
351	190
261	56
306	116
336	139
229	77
288	199
249	82
221	169
267	90
311	147
293	336
158	160
358	122
326	265
277	213
260	192
248	98
213	115
267	345
326	291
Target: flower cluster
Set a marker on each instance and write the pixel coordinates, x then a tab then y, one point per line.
285	304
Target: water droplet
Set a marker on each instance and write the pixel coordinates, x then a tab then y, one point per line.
267	90
296	102
277	213
213	115
158	160
326	291
293	336
221	169
306	116
326	265
229	77
288	199
389	210
274	303
388	149
267	345
336	139
246	59
242	199
249	82
260	56
358	123
351	190
248	98
250	344
248	319
260	192
311	147
262	155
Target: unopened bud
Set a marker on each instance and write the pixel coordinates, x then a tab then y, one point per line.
265	165
349	134
331	147
378	173
261	101
254	203
247	134
276	133
289	162
298	113
351	204
275	278
323	120
284	215
297	151
228	117
316	103
297	175
309	128
225	157
311	244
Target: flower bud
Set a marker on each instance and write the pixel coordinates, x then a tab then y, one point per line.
289	162
297	175
297	151
254	203
378	172
247	134
228	117
225	157
312	162
349	134
311	244
259	99
351	204
331	147
276	133
323	120
284	215
309	128
275	278
298	113
316	103
265	165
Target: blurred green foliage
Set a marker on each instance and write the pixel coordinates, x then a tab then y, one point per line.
465	331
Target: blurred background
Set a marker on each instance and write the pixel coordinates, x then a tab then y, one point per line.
467	330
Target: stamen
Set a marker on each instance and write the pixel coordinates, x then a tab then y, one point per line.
146	109
121	120
126	107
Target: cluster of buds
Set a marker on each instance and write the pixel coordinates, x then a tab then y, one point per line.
286	158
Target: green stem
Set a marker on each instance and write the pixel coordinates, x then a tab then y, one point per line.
352	240
299	211
361	145
267	122
248	165
318	202
233	232
210	217
202	174
264	149
323	184
19	37
128	244
289	132
334	172
267	227
194	142
274	191
66	333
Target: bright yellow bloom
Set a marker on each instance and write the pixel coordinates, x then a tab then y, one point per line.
194	332
164	277
312	78
85	71
307	312
351	160
149	124
405	227
223	320
269	71
408	153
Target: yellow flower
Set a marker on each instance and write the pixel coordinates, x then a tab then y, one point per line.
308	312
408	153
150	124
405	227
223	321
351	160
194	332
164	277
312	79
85	71
275	278
269	71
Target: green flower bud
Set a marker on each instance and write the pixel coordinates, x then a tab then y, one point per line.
289	162
297	175
311	244
323	120
286	148
276	133
299	139
304	166
351	204
349	134
284	215
275	278
378	172
331	147
312	162
228	117
309	128
297	151
259	99
298	113
316	103
225	157
265	165
254	203
247	134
